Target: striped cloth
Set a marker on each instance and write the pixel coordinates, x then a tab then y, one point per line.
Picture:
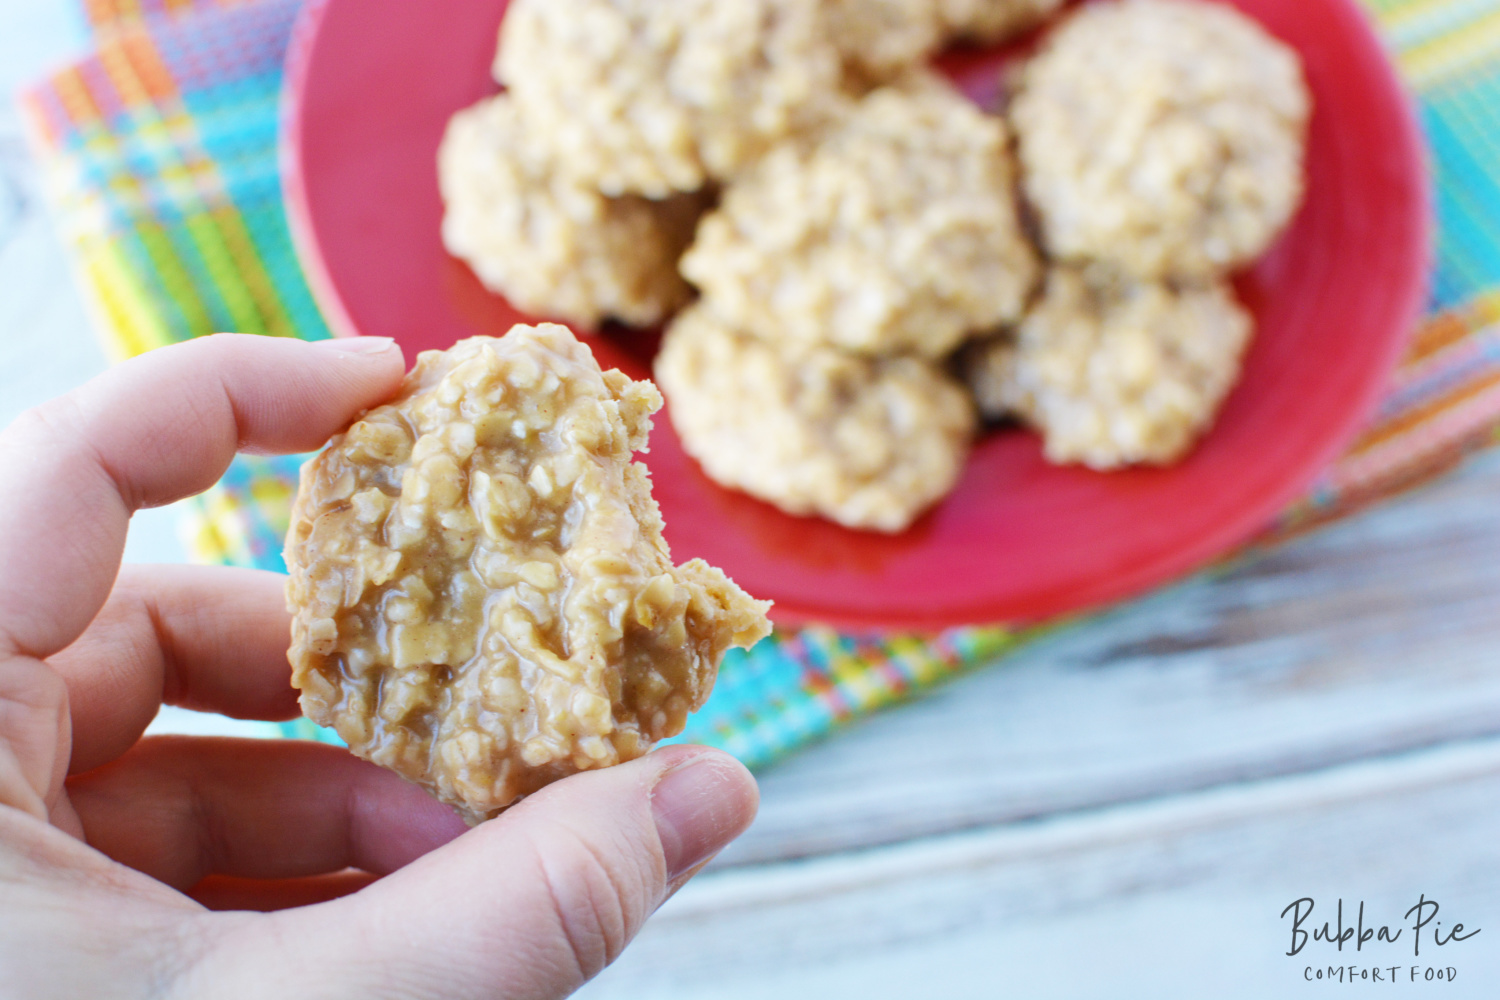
159	157
159	154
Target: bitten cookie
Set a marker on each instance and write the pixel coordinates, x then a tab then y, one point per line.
482	599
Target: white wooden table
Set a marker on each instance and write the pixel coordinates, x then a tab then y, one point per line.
1120	810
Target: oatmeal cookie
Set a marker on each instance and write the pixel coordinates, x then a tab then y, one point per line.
896	231
881	38
655	96
866	442
482	598
1115	373
992	20
549	244
1162	137
988	365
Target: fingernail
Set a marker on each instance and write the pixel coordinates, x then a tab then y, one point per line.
700	805
676	884
357	345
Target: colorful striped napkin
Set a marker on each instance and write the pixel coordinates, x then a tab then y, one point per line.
160	161
159	154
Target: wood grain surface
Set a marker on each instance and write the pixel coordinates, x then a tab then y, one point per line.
1179	897
1372	636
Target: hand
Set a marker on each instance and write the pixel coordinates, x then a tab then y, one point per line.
116	850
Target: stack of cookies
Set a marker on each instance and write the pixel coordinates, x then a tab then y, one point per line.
853	227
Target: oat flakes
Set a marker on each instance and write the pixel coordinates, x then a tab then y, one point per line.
867	442
992	21
882	38
1163	137
549	244
895	231
655	96
1115	373
482	598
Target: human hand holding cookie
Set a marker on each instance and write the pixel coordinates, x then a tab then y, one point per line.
115	850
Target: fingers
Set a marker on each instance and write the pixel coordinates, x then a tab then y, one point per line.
157	428
207	638
71	473
183	808
34	735
529	905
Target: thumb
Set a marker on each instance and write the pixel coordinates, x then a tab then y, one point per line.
529	905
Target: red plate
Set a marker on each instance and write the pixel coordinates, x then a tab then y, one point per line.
371	84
